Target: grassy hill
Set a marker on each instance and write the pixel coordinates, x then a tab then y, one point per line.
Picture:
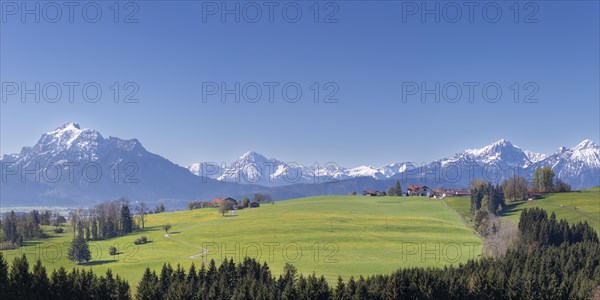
329	235
574	207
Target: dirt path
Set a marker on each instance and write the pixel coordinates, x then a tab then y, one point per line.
465	222
445	204
196	256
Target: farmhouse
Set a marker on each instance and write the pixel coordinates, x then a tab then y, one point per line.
370	193
373	193
419	190
218	201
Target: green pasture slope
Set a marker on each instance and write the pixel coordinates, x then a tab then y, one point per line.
329	235
574	207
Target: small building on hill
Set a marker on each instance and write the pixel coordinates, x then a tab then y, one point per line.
456	193
219	201
254	204
419	190
235	202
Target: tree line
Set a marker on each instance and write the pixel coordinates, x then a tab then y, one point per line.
16	228
107	220
19	282
518	188
103	221
537	229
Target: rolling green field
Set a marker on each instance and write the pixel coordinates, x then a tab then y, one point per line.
329	235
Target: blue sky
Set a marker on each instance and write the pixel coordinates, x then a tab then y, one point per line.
366	56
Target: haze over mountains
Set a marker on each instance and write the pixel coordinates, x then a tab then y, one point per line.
79	167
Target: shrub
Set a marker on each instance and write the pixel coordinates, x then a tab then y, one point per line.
59	230
141	240
112	250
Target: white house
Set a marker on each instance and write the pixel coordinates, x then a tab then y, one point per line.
419	190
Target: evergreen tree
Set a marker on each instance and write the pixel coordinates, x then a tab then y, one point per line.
40	284
4	282
126	220
88	234
121	291
398	189
95	230
165	278
59	285
79	250
9	226
20	278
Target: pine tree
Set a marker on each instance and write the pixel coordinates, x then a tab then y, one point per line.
88	234
340	290
148	288
20	278
40	285
126	220
165	278
94	230
10	229
121	291
59	285
4	283
79	250
351	287
398	188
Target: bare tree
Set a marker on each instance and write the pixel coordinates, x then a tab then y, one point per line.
141	211
515	188
262	198
500	235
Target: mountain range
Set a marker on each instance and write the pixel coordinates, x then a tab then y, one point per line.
578	166
79	167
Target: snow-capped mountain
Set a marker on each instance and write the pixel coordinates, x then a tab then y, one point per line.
495	162
580	166
252	167
535	157
71	165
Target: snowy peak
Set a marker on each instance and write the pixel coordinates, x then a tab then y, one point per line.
502	143
497	147
586	144
535	157
561	150
72	143
252	156
68	126
501	151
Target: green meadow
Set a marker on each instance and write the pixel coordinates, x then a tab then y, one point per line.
328	235
574	206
